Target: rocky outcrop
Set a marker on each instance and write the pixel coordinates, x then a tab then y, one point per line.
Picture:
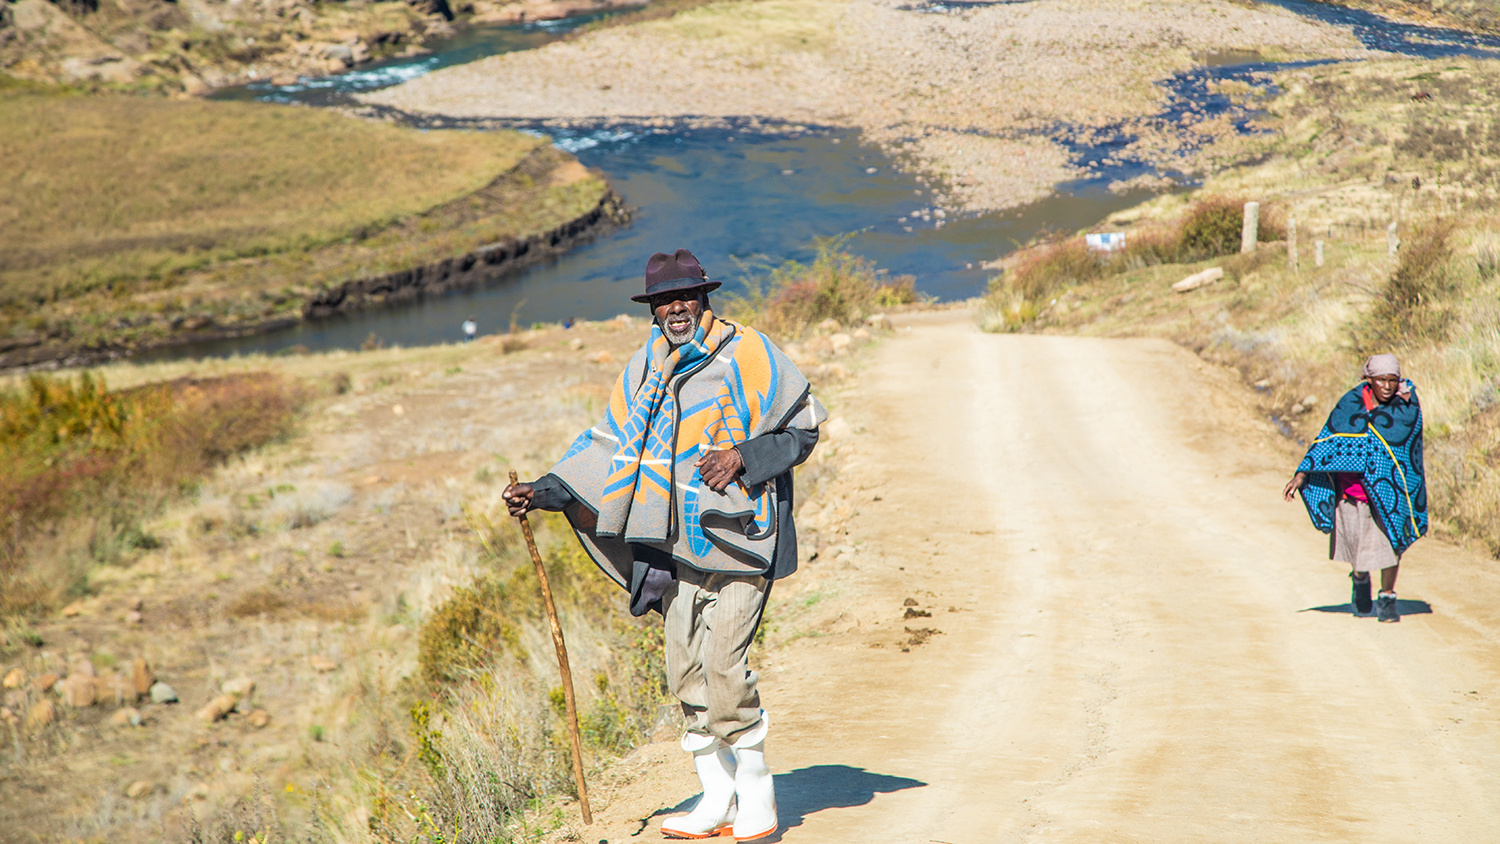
192	48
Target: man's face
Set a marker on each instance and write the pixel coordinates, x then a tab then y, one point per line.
678	313
1384	386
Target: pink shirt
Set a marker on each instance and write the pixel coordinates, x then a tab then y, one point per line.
1348	484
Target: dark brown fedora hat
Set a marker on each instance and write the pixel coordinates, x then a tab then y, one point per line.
668	273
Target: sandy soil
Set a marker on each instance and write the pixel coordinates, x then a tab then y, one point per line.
971	96
1138	639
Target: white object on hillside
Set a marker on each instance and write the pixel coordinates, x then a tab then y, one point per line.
1105	241
1197	280
1317	253
1251	228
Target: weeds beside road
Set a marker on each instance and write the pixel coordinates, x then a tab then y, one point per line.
359	570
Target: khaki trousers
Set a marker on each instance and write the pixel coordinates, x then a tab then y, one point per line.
710	621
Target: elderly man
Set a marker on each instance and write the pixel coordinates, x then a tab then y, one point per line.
1362	481
683	495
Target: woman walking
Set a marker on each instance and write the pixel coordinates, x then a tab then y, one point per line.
1362	481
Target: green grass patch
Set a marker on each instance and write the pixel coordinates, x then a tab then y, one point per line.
135	219
119	189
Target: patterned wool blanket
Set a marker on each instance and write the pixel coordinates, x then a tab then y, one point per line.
1382	443
634	472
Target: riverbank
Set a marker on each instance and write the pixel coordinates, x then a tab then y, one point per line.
228	218
1464	15
973	97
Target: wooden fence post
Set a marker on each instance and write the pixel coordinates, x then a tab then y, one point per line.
1251	228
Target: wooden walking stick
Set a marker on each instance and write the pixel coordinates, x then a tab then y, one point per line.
562	664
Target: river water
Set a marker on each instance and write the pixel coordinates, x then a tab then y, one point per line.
740	198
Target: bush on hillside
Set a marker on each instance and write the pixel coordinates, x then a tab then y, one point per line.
789	300
1409	305
1211	228
81	466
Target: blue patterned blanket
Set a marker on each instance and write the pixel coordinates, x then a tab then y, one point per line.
1382	443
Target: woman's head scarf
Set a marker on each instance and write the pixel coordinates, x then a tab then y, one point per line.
1387	364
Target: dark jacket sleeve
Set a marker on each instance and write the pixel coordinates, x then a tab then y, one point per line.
771	455
770	458
550	493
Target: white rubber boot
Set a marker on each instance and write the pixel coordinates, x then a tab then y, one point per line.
714	814
754	790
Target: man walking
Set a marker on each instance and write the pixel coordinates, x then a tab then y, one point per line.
683	495
1362	481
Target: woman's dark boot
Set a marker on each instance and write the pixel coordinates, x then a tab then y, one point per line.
1361	599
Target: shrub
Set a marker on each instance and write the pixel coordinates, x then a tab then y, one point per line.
795	297
81	466
1408	304
1053	267
1211	228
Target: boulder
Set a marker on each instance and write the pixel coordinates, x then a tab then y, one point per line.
216	709
77	691
113	687
142	677
45	682
880	321
81	665
239	687
139	789
162	693
127	717
341	53
828	326
1197	280
841	342
40	715
15	678
259	718
321	664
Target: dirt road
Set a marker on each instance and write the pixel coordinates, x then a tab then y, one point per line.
1139	640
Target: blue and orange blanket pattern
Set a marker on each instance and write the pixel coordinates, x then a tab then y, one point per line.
670	406
1382	443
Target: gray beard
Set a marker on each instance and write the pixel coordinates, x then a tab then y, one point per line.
677	339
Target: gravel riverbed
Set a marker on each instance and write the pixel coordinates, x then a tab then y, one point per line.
973	97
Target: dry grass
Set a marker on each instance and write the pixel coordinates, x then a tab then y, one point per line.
1210	227
239	583
82	467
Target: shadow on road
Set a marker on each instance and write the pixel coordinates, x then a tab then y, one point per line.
804	791
1404	607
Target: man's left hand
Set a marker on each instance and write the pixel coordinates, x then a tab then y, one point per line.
720	468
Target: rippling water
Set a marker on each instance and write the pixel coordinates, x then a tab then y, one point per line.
739	198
